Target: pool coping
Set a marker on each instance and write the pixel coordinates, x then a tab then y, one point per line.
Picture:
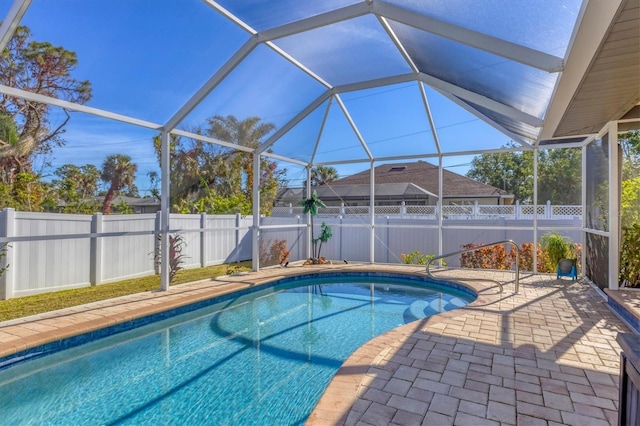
352	378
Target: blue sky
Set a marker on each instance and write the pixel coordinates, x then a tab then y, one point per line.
145	58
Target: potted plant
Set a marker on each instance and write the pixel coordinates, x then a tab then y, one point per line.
560	253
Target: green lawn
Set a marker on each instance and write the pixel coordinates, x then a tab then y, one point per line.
31	305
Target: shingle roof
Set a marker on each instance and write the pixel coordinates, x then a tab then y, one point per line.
329	193
425	176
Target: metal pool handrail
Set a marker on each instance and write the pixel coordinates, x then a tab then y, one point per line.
517	281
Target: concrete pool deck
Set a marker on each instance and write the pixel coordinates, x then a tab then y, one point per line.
545	356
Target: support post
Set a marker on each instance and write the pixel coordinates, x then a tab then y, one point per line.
440	207
96	250
164	211
255	248
340	256
615	172
535	211
308	217
7	280
372	216
156	242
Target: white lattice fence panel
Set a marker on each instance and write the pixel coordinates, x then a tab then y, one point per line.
357	210
496	210
279	210
530	210
387	210
457	210
566	211
329	210
426	210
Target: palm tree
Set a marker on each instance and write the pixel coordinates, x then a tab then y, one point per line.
119	172
322	175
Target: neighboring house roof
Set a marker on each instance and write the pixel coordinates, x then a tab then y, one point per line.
357	192
425	176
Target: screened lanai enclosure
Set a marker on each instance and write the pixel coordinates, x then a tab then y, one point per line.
352	85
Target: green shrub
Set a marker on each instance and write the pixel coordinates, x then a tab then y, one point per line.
557	247
630	256
417	258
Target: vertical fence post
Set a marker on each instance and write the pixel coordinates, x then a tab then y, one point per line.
548	210
290	209
203	240
341	228
298	244
237	234
517	208
403	209
387	239
95	268
156	244
476	210
7	280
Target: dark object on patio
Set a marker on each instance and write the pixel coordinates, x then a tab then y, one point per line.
567	268
628	412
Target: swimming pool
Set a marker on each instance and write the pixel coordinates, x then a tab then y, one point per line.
263	357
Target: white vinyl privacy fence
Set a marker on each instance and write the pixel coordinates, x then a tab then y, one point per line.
47	251
351	239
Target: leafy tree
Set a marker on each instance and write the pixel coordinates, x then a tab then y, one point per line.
119	173
249	132
322	175
630	191
510	171
123	208
630	201
209	178
154	180
77	186
26	130
27	193
559	174
630	144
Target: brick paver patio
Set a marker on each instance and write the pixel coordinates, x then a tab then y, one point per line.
544	356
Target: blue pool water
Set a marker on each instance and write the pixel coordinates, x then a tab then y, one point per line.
258	359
